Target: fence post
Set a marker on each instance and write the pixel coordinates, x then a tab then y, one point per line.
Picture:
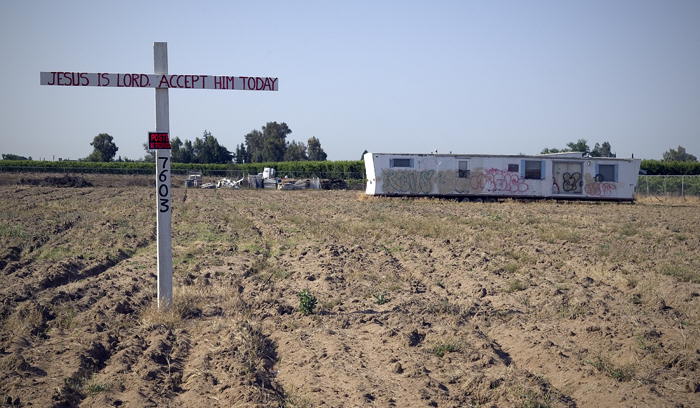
666	194
683	186
647	180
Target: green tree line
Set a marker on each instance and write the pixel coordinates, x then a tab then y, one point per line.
581	145
323	169
269	144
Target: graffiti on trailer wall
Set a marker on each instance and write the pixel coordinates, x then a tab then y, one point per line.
482	181
408	181
496	180
447	182
571	181
598	188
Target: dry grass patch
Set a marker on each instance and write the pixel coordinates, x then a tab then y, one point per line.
628	230
621	373
556	234
29	319
515	285
683	273
188	302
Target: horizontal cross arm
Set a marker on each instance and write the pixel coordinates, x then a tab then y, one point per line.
104	79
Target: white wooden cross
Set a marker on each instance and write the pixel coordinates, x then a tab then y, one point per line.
159	140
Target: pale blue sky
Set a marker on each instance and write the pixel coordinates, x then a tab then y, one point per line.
502	77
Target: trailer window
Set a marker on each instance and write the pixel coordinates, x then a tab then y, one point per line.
513	168
533	169
463	168
401	162
607	172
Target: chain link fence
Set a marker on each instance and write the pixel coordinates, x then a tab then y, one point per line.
674	186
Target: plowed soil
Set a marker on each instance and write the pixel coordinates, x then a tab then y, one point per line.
419	302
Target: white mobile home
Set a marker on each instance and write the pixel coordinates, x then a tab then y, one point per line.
561	175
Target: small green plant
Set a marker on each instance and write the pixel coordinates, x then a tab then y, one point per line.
307	302
443	348
95	388
380	299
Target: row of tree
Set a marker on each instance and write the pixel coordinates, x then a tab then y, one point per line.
605	150
204	150
599	150
267	145
271	145
679	155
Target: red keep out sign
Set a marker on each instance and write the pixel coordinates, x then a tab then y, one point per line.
158	140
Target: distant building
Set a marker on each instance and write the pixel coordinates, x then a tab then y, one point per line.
559	175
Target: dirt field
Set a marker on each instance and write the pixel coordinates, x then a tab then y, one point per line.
419	302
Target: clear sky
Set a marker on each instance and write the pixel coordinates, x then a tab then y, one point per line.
502	77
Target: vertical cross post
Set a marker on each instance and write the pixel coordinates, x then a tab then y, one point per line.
163	196
159	140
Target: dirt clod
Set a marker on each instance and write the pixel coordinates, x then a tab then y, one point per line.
415	338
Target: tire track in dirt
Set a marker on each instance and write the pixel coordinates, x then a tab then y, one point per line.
14	262
11	254
42	236
60	275
55	232
71	272
155	361
83	318
231	366
75	299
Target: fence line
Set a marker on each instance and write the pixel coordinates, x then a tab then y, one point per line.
667	185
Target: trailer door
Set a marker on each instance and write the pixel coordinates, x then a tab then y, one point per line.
568	178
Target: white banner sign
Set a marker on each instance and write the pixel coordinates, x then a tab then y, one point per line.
242	83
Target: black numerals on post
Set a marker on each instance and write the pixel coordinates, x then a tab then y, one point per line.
163	192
